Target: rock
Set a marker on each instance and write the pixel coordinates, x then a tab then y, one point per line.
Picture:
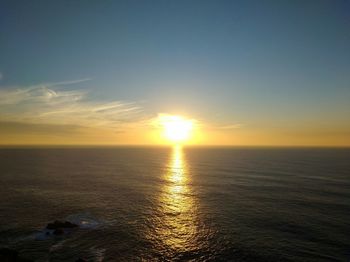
81	260
21	259
57	228
7	254
60	224
58	231
10	255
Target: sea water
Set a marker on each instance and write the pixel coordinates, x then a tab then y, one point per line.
177	204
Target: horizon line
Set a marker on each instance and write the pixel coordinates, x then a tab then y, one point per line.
2	146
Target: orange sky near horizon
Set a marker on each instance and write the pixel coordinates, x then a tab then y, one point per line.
29	134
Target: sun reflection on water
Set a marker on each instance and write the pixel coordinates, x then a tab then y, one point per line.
177	229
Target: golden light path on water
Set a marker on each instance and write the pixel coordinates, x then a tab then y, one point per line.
177	228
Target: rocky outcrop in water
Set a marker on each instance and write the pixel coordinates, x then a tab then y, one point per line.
60	225
58	228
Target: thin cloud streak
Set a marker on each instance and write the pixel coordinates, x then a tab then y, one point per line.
71	82
43	105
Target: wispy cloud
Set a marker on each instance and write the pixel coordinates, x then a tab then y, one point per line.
70	82
42	104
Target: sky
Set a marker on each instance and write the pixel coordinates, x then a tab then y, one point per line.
266	73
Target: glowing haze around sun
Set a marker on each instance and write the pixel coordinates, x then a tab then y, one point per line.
176	129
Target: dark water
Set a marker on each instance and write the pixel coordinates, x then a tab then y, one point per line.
192	204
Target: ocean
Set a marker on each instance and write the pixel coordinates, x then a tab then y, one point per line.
177	204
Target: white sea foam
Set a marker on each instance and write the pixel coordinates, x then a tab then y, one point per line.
84	220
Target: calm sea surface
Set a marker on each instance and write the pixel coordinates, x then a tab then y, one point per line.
177	204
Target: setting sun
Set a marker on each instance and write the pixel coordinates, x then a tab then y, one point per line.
176	128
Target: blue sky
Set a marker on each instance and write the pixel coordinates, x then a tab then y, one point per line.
262	64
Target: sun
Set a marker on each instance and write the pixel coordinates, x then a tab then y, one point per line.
176	128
